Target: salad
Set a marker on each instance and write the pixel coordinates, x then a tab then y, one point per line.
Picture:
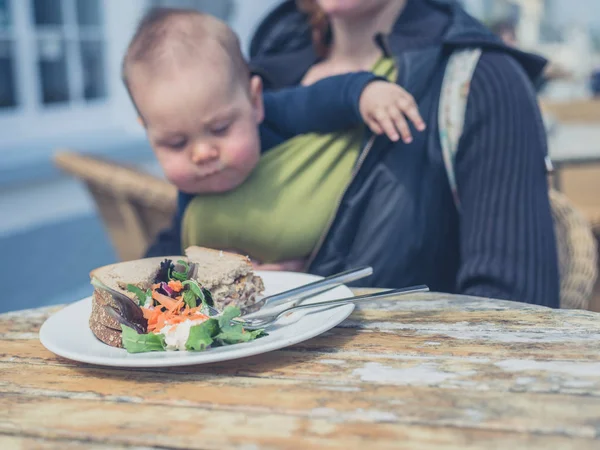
178	311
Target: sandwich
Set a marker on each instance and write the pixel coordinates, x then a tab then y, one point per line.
228	277
154	303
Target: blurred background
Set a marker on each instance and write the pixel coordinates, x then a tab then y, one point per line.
60	88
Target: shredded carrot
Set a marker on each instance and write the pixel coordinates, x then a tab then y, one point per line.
176	285
167	302
160	323
152	316
155	315
147	313
177	319
157	319
177	311
178	306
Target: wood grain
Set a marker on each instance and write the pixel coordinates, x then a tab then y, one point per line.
130	424
574	111
430	371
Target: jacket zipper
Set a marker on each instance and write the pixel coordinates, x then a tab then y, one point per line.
361	159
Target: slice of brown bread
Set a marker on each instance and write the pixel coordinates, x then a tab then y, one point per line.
216	267
99	300
139	272
105	334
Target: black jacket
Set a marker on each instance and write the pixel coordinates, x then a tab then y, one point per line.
397	214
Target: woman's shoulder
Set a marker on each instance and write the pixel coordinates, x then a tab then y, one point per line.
283	70
284	29
499	72
502	111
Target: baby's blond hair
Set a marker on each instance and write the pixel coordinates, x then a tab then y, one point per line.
168	35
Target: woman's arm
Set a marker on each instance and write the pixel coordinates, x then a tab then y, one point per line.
507	242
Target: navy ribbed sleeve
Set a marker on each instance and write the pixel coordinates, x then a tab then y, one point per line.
329	105
507	239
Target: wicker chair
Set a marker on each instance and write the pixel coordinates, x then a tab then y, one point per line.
595	302
577	253
134	205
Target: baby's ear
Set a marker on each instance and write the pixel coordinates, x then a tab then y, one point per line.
256	98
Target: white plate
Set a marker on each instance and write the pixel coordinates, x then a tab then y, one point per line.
67	333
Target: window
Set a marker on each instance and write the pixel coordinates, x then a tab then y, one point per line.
60	67
221	8
70	50
61	42
8	97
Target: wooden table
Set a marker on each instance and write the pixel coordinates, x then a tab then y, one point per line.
433	371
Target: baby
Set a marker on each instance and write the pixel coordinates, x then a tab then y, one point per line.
207	117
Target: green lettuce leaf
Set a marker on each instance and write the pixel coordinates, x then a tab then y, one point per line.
139	343
208	297
230	313
202	335
189	298
181	276
237	335
195	288
232	332
141	295
193	293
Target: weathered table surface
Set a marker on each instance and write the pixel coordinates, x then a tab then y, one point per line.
426	372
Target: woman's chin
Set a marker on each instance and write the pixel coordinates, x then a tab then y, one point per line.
350	8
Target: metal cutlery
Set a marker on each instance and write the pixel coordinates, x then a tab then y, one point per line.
263	320
300	293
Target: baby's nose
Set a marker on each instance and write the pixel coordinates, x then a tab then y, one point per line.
202	153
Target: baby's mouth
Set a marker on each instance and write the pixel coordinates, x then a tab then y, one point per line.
206	172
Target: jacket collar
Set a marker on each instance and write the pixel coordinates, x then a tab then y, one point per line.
457	30
283	70
423	33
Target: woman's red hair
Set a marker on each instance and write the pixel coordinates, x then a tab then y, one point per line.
321	30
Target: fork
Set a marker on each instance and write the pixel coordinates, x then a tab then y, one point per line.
300	293
268	319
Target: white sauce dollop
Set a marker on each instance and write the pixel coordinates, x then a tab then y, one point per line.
177	335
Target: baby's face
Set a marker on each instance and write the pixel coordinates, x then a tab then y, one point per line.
202	126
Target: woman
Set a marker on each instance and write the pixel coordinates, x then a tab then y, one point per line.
396	212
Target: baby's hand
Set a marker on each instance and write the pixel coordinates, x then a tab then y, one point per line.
383	106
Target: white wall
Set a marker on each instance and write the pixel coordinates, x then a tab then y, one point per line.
34	125
123	17
575	12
